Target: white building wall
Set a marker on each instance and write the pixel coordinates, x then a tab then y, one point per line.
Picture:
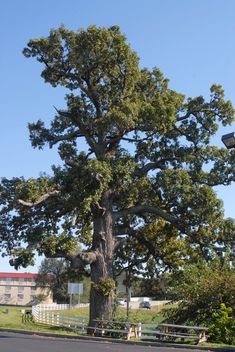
18	291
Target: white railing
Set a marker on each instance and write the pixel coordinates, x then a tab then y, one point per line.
55	306
42	314
49	314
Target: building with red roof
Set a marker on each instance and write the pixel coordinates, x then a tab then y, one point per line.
21	289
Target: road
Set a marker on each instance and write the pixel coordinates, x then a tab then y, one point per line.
12	342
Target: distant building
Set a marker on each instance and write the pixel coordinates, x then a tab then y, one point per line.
20	289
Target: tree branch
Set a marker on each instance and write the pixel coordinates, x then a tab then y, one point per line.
150	166
82	258
146	209
133	263
40	200
77	259
65	137
193	112
92	95
85	131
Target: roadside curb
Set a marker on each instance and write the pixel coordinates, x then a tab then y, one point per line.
111	340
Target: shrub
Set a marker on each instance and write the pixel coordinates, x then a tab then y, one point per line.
201	289
222	327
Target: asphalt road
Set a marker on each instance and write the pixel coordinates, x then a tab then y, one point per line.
12	342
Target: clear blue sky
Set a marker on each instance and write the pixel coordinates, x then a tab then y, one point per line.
191	41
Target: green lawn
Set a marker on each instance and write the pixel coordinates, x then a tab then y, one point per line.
144	316
11	317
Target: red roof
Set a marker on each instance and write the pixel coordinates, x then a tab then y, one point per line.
19	275
23	276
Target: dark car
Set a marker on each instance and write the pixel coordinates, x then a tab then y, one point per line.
145	305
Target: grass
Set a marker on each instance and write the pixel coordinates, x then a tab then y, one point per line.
145	316
11	317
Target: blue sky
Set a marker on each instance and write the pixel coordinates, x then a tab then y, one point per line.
191	41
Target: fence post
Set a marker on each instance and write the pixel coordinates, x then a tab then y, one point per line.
139	330
83	326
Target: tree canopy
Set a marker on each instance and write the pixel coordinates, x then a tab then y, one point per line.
145	176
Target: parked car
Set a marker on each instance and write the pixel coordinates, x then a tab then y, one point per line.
145	305
120	302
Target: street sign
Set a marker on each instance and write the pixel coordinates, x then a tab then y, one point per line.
74	288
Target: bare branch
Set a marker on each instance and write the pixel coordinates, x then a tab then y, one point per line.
40	200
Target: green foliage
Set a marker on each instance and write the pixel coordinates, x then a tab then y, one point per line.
148	316
62	243
154	286
56	273
226	241
141	192
40	298
52	273
222	326
105	286
201	289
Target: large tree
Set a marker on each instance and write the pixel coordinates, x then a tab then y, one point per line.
148	158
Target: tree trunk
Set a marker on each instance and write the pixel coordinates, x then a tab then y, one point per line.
102	292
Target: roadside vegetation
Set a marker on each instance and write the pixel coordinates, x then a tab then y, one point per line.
11	317
206	294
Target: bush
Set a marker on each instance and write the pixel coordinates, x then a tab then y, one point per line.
222	327
201	289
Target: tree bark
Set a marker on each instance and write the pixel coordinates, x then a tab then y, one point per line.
101	305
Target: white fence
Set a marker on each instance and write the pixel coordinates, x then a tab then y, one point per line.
42	313
46	314
55	306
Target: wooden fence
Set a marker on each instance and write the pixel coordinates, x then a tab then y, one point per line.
47	314
43	314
